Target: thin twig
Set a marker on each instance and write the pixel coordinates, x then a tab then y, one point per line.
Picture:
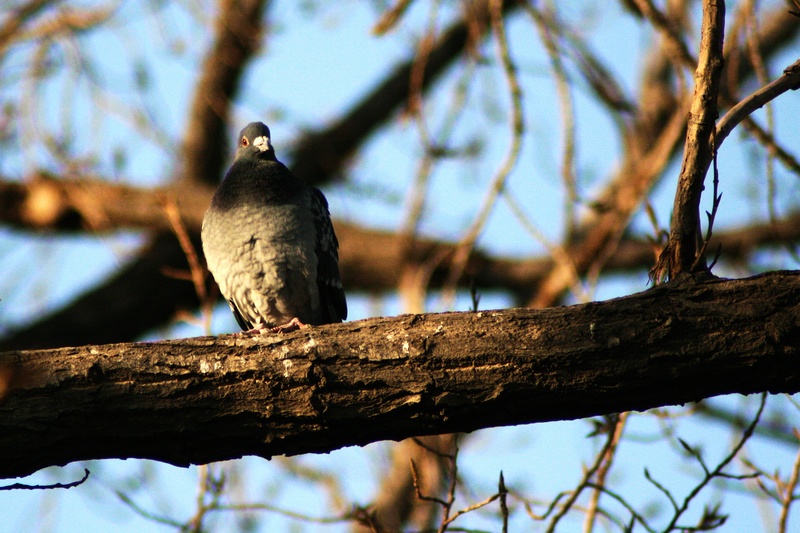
517	126
209	491
327	480
550	507
669	31
767	139
790	80
390	17
717	472
788	496
147	515
775	430
350	515
23	486
195	523
606	88
602	472
451	492
712	216
430	449
563	91
418	489
560	256
760	68
415	277
664	490
622	501
611	441
198	272
466	510
501	489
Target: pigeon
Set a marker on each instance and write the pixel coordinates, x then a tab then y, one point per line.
270	244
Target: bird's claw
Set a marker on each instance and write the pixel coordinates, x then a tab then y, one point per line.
261	329
292	325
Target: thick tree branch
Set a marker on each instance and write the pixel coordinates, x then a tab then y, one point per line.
237	36
207	399
44	202
117	312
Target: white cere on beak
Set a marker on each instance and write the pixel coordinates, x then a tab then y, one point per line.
262	143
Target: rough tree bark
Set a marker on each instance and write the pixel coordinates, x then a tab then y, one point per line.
207	399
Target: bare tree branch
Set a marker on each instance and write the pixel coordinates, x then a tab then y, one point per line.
397	503
206	399
684	243
651	135
238	33
598	241
789	81
54	205
18	18
42	202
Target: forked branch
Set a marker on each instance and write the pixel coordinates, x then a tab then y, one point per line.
683	252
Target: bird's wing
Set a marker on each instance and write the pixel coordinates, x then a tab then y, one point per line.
243	323
329	282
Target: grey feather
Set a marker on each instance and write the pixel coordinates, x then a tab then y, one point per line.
269	242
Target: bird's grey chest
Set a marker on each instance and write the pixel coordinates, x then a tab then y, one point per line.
270	245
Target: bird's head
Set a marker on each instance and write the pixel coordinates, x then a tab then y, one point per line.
254	142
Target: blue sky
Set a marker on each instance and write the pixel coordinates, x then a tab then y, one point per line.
310	69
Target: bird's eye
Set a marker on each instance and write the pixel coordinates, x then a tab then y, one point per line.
245	142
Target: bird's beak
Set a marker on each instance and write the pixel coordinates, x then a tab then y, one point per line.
262	143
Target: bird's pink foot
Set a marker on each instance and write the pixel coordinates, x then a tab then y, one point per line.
258	330
292	325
